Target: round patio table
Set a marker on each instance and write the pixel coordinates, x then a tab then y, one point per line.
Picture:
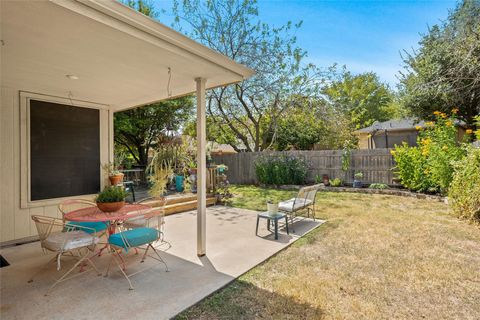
93	214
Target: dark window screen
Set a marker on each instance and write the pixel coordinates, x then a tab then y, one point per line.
64	150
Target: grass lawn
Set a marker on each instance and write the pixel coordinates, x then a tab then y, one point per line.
377	257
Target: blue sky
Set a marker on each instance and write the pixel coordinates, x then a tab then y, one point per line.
363	35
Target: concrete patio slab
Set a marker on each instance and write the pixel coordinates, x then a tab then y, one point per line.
232	249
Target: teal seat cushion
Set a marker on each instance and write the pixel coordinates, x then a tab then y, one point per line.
97	226
135	237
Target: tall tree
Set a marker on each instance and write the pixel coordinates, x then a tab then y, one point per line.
248	111
363	98
444	73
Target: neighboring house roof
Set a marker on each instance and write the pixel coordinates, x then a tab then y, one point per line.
221	148
213	146
104	52
392	125
397	125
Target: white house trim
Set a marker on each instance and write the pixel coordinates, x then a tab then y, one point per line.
25	183
201	168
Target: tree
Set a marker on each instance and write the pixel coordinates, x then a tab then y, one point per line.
299	129
363	98
247	113
137	130
444	73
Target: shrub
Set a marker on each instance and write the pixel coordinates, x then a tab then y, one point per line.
336	182
378	186
358	175
111	194
278	170
464	191
429	166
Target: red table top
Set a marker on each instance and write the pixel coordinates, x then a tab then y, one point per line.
93	214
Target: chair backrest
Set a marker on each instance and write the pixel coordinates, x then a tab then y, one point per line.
307	193
156	218
46	225
157	211
70	205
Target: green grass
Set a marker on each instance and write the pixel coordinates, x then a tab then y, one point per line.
377	257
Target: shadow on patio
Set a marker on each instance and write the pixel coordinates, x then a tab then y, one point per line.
232	249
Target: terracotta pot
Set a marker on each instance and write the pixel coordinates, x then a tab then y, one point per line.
110	206
116	179
326	180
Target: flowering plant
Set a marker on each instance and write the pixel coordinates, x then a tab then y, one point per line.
429	165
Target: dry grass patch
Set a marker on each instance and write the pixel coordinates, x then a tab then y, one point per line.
377	257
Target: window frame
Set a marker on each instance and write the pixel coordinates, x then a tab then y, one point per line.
25	152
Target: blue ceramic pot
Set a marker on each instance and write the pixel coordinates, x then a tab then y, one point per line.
179	183
357	183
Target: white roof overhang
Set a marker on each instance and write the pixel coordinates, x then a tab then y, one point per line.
121	57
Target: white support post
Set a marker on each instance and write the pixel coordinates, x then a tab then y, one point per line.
201	168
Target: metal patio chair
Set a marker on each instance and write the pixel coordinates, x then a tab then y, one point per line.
303	202
140	222
67	206
56	236
141	237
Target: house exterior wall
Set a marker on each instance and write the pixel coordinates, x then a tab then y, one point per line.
394	138
15	222
363	141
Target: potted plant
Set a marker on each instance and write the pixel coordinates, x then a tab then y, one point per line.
326	180
111	199
113	172
272	207
179	179
357	182
160	172
221	168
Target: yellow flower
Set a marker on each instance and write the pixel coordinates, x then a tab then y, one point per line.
392	152
426	141
425	152
448	123
469	131
444	148
436	113
418	128
454	110
429	124
443	115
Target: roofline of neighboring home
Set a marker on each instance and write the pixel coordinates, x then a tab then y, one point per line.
458	124
383	130
128	20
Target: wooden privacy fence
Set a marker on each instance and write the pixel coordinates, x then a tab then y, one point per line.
375	164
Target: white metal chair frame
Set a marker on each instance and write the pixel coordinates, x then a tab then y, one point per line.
305	194
159	213
78	204
154	219
46	226
65	207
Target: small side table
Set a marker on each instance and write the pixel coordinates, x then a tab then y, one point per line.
274	218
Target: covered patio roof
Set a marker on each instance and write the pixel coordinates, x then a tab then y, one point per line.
120	57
